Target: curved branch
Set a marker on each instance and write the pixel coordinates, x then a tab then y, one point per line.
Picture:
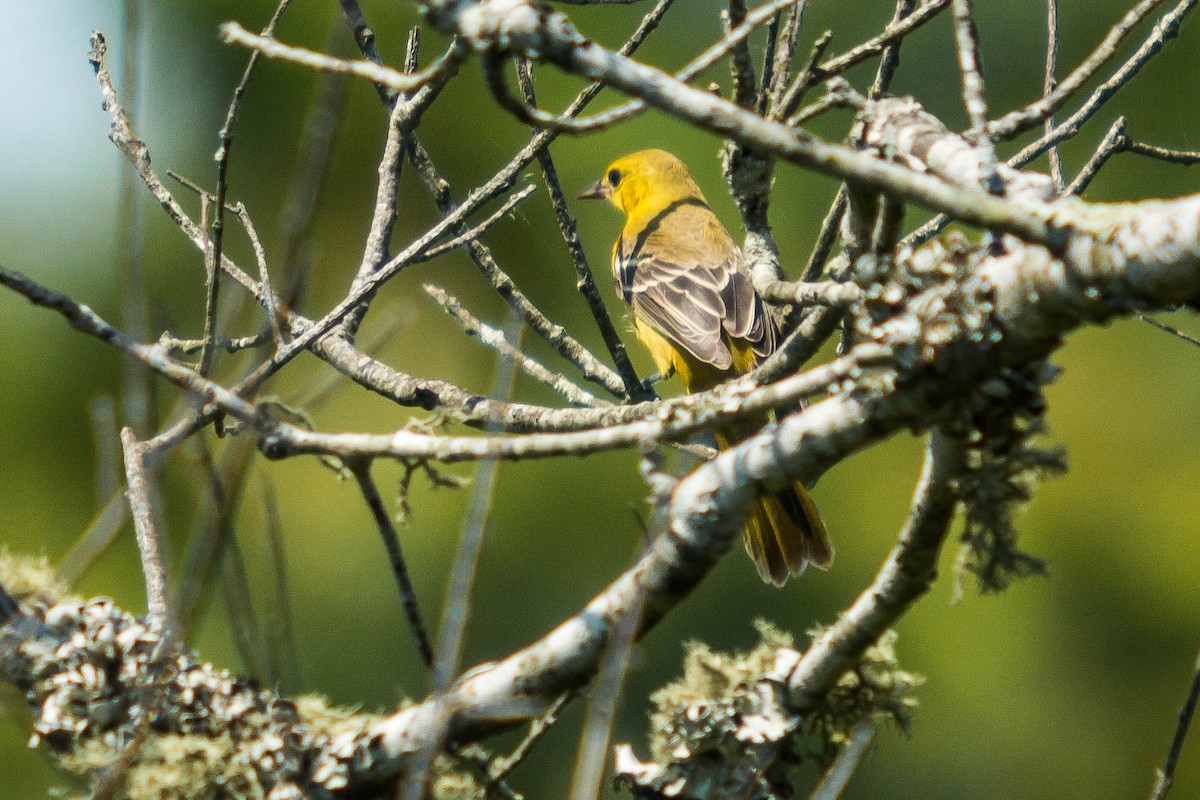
521	26
906	575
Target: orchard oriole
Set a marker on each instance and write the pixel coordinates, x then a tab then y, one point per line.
700	318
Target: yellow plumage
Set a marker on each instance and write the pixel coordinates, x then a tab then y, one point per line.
700	318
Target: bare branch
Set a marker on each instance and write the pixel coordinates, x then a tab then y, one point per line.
565	47
474	232
1113	142
135	394
494	338
1164	30
1048	86
821	293
967	41
280	636
970	65
233	33
881	45
585	283
456	608
1166	775
594	741
834	782
1017	121
391	542
566	123
150	544
1171	330
213	253
905	576
564	344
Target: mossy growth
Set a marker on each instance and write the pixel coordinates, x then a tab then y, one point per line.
876	688
1003	426
726	704
165	766
27	577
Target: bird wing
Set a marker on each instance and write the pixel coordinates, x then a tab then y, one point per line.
680	274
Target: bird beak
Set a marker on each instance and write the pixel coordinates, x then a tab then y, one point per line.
599	190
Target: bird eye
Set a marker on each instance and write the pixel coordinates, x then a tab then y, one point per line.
614	176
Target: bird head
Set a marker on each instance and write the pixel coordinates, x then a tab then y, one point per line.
645	178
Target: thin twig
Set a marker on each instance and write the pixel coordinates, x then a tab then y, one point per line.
1117	141
95	539
1166	775
1168	329
827	103
825	238
483	493
889	61
476	231
224	146
1113	142
648	423
969	64
106	441
584	281
150	544
763	95
233	33
1166	29
281	638
837	778
494	338
564	344
501	768
460	588
602	706
556	335
745	90
364	37
1186	158
264	273
391	543
337	351
383	221
877	45
794	94
135	379
1048	86
784	53
568	122
1022	119
190	346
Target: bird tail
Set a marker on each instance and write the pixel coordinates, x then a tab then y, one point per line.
784	532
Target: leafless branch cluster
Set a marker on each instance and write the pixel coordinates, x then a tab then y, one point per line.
950	336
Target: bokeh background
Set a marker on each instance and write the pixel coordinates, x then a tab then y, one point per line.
1060	687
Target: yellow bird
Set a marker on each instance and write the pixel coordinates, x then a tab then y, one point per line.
700	318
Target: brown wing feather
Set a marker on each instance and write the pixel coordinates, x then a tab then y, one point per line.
682	278
683	306
748	320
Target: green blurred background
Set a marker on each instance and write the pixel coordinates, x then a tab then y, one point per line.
1061	687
